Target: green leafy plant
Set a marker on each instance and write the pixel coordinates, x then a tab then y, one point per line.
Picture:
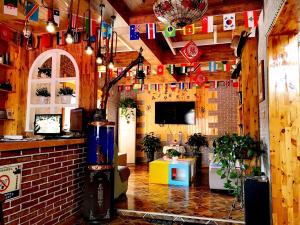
173	153
151	144
66	91
126	104
234	153
43	92
196	141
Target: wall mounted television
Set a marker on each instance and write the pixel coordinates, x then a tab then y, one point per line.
175	113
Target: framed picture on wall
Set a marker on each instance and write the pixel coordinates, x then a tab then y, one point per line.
261	81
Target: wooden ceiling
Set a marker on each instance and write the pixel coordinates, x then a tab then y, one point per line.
215	46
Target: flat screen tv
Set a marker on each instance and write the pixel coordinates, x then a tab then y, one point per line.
48	124
175	112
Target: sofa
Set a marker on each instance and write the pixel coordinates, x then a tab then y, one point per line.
122	174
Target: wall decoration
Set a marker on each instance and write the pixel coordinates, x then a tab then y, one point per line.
191	52
261	81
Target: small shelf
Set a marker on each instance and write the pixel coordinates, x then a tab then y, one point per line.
5	66
6	91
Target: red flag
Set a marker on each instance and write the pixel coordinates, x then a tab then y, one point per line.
160	70
189	29
191	52
46	40
200	79
208	24
235	84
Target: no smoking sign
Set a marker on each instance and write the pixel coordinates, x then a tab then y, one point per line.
10	180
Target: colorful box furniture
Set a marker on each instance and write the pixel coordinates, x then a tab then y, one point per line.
173	172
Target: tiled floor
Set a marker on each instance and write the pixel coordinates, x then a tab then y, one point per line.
196	201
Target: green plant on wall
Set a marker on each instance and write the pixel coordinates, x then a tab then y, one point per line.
235	153
126	104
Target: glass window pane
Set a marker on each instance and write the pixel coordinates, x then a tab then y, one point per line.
62	88
40	88
43	71
66	67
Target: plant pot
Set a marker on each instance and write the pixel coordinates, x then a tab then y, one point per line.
150	156
43	100
175	158
65	99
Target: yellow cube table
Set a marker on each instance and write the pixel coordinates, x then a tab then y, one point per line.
158	172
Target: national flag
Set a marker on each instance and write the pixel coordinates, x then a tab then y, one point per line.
150	30
144	87
200	79
189	85
155	87
10	7
90	28
208	24
191	52
160	86
216	84
31	11
251	19
189	29
46	40
120	88
229	21
212	66
60	38
182	70
160	70
235	84
173	86
137	87
171	68
169	31
181	86
134	32
106	30
56	16
225	66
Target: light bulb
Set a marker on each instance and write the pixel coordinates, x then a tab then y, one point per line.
111	65
99	60
69	38
50	27
89	50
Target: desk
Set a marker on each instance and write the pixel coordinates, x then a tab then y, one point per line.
172	172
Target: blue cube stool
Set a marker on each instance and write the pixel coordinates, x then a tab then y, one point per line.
179	173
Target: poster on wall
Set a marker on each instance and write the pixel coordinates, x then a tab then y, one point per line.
10	180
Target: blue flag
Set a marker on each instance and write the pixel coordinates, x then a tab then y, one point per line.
134	32
31	11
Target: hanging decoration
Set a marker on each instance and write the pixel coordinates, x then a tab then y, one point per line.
10	7
229	21
31	11
179	13
134	32
189	29
208	24
169	31
251	19
150	30
191	52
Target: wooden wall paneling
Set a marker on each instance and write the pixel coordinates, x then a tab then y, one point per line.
250	89
284	107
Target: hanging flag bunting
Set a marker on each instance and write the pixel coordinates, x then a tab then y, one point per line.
173	86
46	40
120	88
229	21
56	16
212	66
155	87
200	79
144	87
60	39
251	19
181	86
171	68
169	31
10	7
134	32
191	52
150	30
225	66
31	11
189	29
160	70
137	87
189	85
208	24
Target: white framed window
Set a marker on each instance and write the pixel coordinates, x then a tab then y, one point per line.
52	70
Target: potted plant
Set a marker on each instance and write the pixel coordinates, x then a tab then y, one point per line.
150	145
173	153
66	93
196	141
234	153
127	105
43	94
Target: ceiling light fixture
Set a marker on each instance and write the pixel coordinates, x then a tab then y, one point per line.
69	36
179	13
51	25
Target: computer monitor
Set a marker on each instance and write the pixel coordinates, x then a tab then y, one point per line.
48	124
77	120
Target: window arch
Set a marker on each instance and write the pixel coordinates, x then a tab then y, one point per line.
52	70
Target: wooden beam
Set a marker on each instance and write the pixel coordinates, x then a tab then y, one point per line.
226	6
181	44
221	52
121	8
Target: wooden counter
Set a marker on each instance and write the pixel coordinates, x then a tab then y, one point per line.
10	146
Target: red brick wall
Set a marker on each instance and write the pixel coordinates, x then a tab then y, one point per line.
52	184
